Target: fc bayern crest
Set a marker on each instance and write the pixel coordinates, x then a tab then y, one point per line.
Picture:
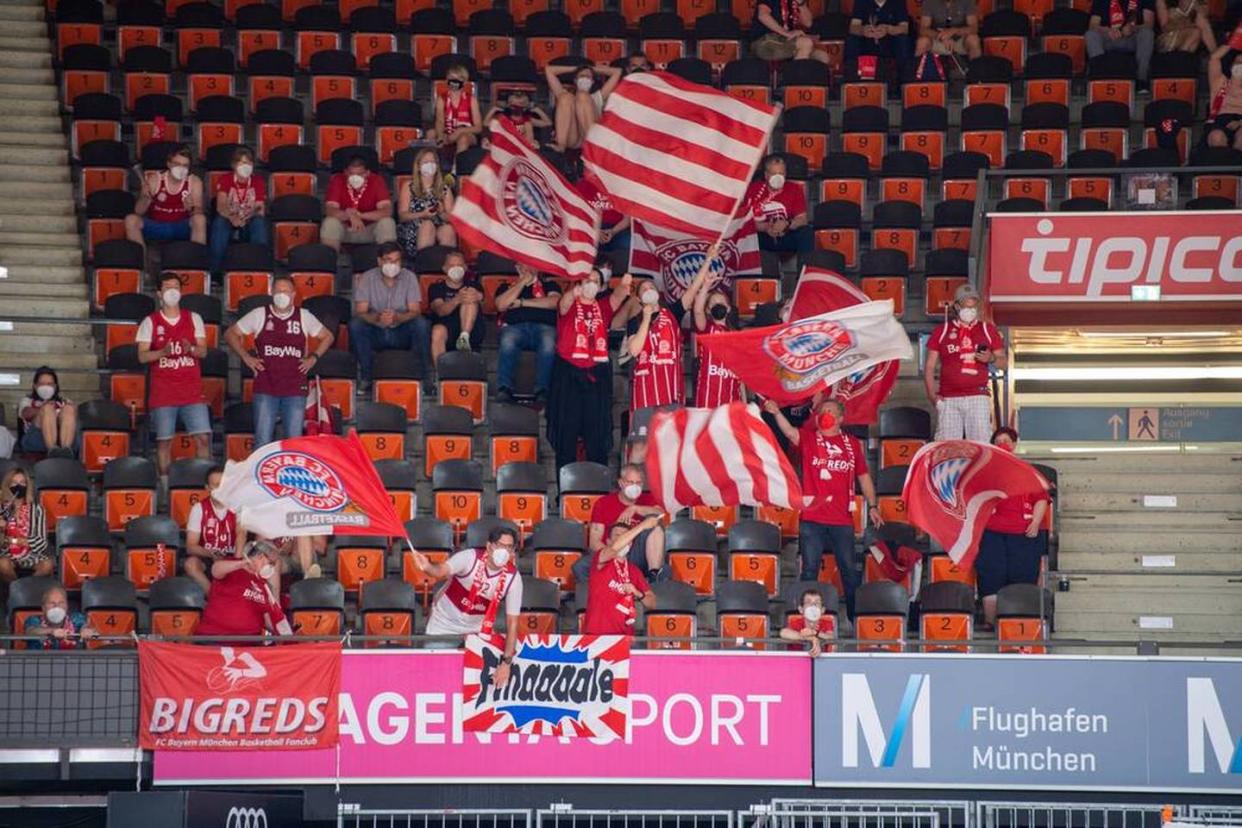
680	262
808	350
301	477
528	203
951	466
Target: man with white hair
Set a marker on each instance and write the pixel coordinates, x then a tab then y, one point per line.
963	347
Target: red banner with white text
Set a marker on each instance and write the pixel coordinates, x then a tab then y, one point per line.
238	698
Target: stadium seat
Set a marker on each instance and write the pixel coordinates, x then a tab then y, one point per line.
1045	128
988	81
1110	77
844	178
313	270
373	32
105	429
952	221
176	606
541	601
548	34
238	431
1063	32
675	618
434	539
1106	126
804	83
85	68
127	378
387	613
902	431
1005	34
62	488
105	216
888	485
754	554
381	427
80	23
337	371
690	548
924	93
984	128
742	611
579	10
864	93
270	75
946	614
118	266
400	479
837	227
1173	112
490	35
718	38
317	607
339	123
923	131
138	24
96	117
521	495
447	435
883	275
129	490
580	485
434	36
557	545
152	548
105	166
880	610
864	130
110	605
84	549
258	29
463	382
1048	78
147	70
513	435
1207	185
187	485
661	35
603	37
457	487
944	271
1021	610
26	601
903	177
317	29
1033	187
197	25
959	176
360	559
1174	76
747	79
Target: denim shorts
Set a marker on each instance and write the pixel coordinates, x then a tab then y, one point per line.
165	230
195	417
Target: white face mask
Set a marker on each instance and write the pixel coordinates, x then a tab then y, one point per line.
455	273
282	300
171	297
356	181
777	181
589	290
179	172
55	615
632	491
500	556
45	392
649	297
584	84
812	613
244	170
266	571
390	269
428	168
968	315
1235	71
605	272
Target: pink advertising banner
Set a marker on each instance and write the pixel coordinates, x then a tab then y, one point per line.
693	717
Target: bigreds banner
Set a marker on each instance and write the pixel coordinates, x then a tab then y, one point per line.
238	698
559	685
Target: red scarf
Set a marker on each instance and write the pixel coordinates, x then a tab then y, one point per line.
242	197
1116	16
626	605
789	14
355	196
477	577
17	530
661	344
590	335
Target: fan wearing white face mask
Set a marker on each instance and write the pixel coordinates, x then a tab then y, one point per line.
655	342
388	314
811	624
779	209
479	582
579	101
51	418
455	305
424	207
56	626
244	598
170	206
358	209
241	205
963	348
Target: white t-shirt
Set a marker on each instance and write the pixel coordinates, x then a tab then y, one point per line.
252	323
447	619
144	327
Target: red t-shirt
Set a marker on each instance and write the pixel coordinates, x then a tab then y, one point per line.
1013	514
254	187
960	375
830	465
365	200
783	204
608	509
236	605
827	624
605	613
609	215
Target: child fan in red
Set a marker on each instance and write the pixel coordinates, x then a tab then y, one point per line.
617	585
812	623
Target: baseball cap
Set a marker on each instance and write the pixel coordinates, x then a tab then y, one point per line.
966	292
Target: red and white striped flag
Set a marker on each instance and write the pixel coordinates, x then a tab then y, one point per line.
519	206
718	457
673	259
677	154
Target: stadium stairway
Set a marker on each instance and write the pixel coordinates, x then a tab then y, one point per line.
1138	568
40	246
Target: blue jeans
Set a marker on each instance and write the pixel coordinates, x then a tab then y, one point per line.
223	232
814	538
526	336
267	407
798	240
159	231
365	339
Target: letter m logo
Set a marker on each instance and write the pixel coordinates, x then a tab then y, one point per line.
1204	716
858	713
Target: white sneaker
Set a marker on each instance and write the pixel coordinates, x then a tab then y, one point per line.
463	341
314	571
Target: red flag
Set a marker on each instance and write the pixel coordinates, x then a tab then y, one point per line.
195	697
863	392
718	457
953	487
677	154
673	259
518	205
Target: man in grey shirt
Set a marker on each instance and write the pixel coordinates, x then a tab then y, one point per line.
388	313
949	27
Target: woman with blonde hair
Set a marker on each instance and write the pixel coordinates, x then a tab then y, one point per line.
424	207
1184	26
23	530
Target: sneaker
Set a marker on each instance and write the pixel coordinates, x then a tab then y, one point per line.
315	571
364	389
504	395
463	342
61	452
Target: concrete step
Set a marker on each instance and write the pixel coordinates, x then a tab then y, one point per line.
28	343
26	174
1095	502
23	13
15	59
1200	560
64	362
58	331
34	156
1168	482
26	106
14	193
52	239
38	123
25	44
24	28
1142	462
55	307
12	292
1186	626
40	76
66	222
19	253
1152	541
46	275
52	140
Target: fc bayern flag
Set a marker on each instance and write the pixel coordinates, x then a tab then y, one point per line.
519	206
309	486
791	362
820	290
673	259
952	488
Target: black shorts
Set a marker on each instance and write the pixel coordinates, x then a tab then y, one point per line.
1222	122
1006	558
452	323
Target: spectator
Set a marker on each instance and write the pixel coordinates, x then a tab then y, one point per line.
811	624
478	580
627	507
655	343
521	114
1225	83
359	208
210	532
241	202
280	358
1123	26
244	595
57	627
617	583
173	342
779	31
879	28
716	384
527	323
170	207
455	305
949	27
963	347
831	462
457	112
1184	26
424	207
1013	539
388	313
578	109
23	529
779	209
51	419
614	228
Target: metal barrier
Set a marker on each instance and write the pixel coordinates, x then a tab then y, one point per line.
860	813
352	816
568	817
68	699
1214	815
1068	815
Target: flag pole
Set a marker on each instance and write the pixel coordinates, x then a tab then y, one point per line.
754	165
